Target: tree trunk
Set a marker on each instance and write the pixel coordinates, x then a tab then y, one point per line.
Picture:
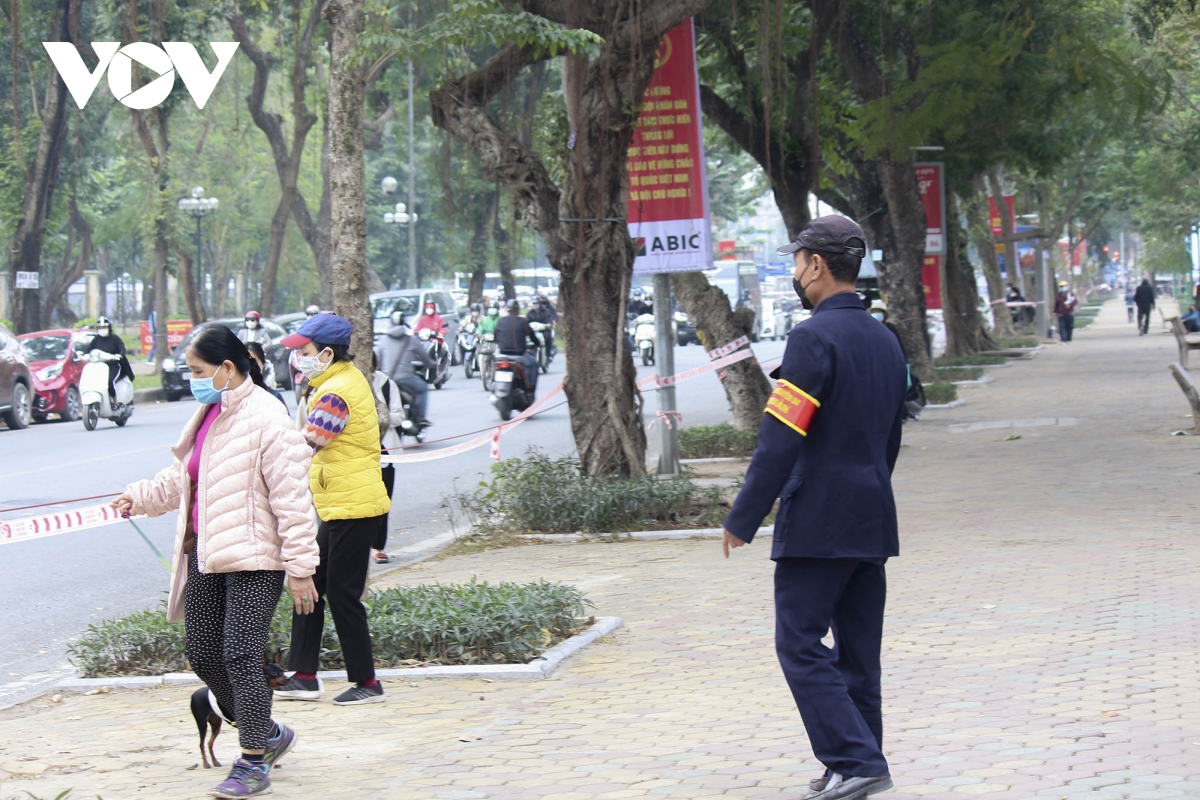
25	251
746	387
965	334
594	257
503	247
900	276
478	245
1012	261
347	178
57	296
979	219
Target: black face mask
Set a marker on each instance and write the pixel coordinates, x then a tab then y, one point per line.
799	288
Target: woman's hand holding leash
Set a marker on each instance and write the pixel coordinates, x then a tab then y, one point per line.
123	504
304	594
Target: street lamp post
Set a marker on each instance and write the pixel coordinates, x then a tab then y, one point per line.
402	218
198	206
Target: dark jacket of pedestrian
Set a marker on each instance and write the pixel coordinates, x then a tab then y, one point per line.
398	350
1144	296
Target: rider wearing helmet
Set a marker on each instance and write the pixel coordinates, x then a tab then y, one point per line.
108	342
431	319
253	330
512	337
396	353
638	304
541	311
312	310
488	323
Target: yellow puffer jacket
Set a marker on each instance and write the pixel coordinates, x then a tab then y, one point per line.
345	477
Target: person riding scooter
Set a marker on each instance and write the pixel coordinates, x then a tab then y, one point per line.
513	336
489	321
397	350
541	311
431	320
253	331
108	342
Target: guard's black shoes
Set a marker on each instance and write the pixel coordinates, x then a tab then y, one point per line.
841	787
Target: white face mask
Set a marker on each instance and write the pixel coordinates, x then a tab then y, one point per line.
877	315
251	324
313	366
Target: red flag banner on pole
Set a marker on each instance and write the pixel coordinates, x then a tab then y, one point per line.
668	186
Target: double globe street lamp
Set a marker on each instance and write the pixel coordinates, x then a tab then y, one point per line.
403	218
199	207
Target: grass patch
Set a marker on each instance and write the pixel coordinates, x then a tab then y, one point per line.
970	361
1017	341
959	373
941	393
716	441
540	494
472	623
147	381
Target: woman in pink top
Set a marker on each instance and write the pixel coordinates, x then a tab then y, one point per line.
246	520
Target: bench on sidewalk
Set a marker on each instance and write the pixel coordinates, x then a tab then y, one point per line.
1186	341
1168	307
1189	390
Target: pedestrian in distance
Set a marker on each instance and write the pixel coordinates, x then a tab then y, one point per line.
1143	298
1129	301
256	352
827	445
1064	308
245	522
389	411
398	353
347	487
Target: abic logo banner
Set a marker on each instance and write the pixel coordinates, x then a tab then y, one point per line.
164	61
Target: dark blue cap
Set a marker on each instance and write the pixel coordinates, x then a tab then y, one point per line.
323	328
829	234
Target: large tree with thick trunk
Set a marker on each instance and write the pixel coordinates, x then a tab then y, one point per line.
581	219
347	177
25	250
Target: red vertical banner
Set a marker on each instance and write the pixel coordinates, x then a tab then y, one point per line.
931	281
994	214
668	187
933	196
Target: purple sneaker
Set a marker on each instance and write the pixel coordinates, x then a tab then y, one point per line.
245	780
279	746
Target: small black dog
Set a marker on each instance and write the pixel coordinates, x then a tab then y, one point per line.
208	713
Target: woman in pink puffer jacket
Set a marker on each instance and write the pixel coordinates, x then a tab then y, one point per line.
246	519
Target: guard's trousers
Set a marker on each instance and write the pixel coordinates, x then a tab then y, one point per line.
837	690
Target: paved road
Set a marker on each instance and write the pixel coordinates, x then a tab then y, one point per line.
61	584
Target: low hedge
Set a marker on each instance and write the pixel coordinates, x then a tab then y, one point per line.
948	374
970	361
716	441
540	494
941	393
410	625
1017	341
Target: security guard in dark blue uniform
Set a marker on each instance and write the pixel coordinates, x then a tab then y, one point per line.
829	439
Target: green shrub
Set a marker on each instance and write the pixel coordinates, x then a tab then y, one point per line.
959	373
1017	341
439	624
970	361
7	323
716	441
540	494
941	393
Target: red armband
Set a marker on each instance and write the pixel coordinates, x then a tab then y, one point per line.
793	407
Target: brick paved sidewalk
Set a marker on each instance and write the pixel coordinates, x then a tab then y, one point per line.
1042	638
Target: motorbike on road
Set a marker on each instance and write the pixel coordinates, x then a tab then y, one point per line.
436	345
486	355
540	332
93	392
643	335
467	342
509	387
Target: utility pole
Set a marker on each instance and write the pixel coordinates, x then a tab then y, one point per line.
664	359
412	229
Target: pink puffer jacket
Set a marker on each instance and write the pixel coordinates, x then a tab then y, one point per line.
255	508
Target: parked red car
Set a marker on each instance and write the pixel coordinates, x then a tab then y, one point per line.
56	360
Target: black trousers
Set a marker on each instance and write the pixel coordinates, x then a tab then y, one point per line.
226	621
836	690
1144	320
1066	327
345	546
389	483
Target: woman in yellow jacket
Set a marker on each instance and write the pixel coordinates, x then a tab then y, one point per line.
343	429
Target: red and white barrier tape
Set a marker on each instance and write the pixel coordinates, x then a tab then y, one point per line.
725	350
53	524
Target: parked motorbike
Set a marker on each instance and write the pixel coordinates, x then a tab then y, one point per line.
541	334
467	342
436	344
509	392
93	391
486	355
643	335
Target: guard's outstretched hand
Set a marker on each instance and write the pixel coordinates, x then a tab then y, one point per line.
728	540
